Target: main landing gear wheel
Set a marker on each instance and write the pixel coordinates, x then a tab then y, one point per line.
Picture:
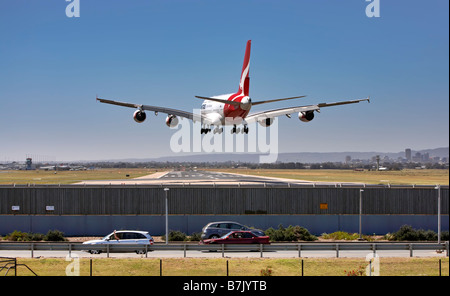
237	130
205	130
217	130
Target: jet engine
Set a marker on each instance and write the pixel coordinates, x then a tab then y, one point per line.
139	116
172	121
266	122
306	116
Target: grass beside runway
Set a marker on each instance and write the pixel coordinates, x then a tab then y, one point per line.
236	266
403	177
70	177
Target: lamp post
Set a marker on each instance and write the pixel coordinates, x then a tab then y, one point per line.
166	190
360	213
438	188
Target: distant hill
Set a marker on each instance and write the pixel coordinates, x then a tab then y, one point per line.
302	157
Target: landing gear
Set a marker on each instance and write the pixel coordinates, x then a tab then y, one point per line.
237	130
205	130
218	130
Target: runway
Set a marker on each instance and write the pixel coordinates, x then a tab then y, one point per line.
200	177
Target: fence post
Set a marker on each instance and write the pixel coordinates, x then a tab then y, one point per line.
107	250
227	269
223	250
337	250
184	248
302	267
410	250
90	267
160	267
32	250
447	247
440	266
261	250
299	250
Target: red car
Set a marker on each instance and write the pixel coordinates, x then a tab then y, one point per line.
238	237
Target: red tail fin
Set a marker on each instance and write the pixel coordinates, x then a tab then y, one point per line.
244	83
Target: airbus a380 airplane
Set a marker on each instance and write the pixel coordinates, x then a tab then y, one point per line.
231	109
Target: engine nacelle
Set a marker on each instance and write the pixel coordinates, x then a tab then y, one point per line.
172	121
266	122
306	116
139	116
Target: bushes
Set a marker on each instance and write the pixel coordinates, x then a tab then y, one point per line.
292	233
19	236
407	233
54	236
175	235
340	235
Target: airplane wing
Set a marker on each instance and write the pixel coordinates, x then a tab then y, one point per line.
189	115
287	111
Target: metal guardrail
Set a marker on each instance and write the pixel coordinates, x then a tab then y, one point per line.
299	247
234	184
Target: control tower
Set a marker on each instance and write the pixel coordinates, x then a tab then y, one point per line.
29	163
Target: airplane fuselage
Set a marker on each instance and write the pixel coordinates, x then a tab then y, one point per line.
225	114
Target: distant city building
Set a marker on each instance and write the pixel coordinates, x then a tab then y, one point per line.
408	154
417	157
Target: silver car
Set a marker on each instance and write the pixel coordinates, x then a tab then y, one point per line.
123	237
218	229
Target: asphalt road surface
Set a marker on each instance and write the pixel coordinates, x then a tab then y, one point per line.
192	177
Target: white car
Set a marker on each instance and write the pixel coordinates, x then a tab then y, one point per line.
123	237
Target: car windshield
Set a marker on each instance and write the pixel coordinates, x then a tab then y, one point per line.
225	236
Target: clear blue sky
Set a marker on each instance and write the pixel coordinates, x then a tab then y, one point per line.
165	52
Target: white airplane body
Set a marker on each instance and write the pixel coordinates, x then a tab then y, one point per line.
231	109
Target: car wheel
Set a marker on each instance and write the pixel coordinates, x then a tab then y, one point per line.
95	251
